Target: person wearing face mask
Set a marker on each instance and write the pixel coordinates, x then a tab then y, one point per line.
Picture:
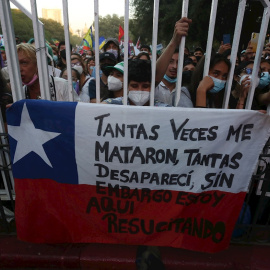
265	76
198	53
139	85
77	63
181	29
207	91
30	79
241	85
90	63
115	82
75	79
188	69
261	95
106	59
165	91
112	46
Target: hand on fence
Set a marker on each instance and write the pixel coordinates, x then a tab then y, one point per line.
244	87
180	30
224	47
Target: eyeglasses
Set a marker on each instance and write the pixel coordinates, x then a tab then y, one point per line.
76	64
249	71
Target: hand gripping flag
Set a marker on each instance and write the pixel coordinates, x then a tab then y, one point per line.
131	175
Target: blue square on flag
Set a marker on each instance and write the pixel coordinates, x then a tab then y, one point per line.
42	140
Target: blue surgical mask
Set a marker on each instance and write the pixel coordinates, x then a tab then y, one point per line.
170	80
218	85
76	87
264	80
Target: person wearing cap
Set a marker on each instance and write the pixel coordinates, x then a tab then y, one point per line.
115	81
112	46
106	59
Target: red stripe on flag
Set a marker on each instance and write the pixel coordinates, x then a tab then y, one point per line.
49	212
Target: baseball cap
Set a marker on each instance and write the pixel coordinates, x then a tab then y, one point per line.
119	67
108	40
107	55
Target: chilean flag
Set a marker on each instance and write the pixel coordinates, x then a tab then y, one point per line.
93	173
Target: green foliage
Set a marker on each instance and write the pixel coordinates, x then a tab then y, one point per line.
109	25
53	29
23	28
199	11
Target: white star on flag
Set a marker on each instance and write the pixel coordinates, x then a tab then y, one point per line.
30	138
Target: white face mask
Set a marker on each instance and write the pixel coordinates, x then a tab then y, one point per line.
115	52
79	69
139	98
257	79
114	84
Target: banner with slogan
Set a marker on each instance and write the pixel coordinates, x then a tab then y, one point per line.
131	175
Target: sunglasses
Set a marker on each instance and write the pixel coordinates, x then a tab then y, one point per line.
249	71
76	64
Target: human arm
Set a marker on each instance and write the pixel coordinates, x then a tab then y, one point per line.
264	99
224	47
244	88
205	85
180	29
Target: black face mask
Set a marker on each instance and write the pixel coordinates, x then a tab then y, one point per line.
104	69
198	58
186	77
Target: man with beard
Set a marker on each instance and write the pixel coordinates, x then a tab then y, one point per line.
106	59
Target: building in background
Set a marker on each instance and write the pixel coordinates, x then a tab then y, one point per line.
54	14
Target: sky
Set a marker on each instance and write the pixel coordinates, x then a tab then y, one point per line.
81	12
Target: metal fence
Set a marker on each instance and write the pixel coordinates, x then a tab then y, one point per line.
253	225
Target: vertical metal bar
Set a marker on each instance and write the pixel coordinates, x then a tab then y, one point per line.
96	10
181	56
41	53
11	50
257	61
126	41
236	39
154	51
68	52
265	3
210	36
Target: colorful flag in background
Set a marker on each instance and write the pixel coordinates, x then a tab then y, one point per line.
138	43
87	40
55	41
102	41
120	33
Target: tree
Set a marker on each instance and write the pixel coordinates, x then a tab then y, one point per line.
199	11
109	25
23	27
53	29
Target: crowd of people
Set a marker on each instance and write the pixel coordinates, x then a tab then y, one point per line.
196	90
